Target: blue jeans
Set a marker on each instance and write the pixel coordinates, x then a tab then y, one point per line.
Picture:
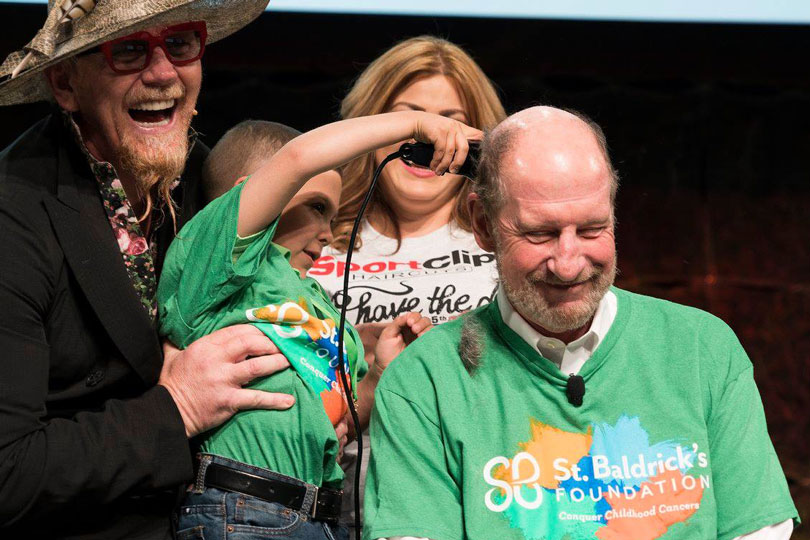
209	513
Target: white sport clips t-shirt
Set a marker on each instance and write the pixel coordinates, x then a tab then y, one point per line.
441	274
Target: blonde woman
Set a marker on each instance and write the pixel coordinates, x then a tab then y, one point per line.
415	251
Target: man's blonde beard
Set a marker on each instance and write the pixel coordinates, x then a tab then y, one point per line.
155	163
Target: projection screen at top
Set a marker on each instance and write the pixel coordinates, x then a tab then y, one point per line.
709	11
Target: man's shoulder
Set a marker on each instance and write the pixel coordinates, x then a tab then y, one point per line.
666	314
705	338
28	166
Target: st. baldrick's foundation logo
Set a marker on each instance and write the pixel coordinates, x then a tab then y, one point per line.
607	483
310	344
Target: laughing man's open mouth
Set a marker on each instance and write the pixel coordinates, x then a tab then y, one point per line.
153	113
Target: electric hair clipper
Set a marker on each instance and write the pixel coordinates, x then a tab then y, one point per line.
422	154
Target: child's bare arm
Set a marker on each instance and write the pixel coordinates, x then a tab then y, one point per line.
397	335
327	147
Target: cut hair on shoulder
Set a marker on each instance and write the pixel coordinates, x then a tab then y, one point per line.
241	151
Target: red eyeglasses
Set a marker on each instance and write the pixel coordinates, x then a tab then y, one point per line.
182	43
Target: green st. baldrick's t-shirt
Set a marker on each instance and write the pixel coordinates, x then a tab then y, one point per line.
212	279
670	442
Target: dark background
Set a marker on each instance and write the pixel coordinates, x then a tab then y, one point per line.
707	124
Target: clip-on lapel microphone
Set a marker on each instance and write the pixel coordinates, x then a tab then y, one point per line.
575	390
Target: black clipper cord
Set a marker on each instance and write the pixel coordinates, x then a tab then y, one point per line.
421	154
342	359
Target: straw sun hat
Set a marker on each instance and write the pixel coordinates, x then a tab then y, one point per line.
73	26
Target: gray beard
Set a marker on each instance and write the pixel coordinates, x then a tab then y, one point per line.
531	305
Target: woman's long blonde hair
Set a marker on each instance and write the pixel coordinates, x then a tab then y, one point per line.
374	92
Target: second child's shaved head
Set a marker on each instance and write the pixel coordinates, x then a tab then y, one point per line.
241	151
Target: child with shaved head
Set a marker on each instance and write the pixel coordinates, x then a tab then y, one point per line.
242	260
305	225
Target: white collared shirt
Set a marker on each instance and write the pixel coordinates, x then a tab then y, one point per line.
568	357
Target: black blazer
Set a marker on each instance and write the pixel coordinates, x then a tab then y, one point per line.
90	447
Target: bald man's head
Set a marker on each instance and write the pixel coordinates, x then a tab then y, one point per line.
543	203
547	143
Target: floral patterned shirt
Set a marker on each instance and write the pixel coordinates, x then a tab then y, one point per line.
137	251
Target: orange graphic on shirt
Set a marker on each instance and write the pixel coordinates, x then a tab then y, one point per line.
663	497
293	314
291	322
334	402
547	444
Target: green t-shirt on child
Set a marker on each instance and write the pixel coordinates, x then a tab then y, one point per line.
670	442
212	279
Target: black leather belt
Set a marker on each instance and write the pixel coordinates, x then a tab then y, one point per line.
325	508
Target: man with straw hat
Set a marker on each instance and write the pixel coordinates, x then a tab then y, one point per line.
94	424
